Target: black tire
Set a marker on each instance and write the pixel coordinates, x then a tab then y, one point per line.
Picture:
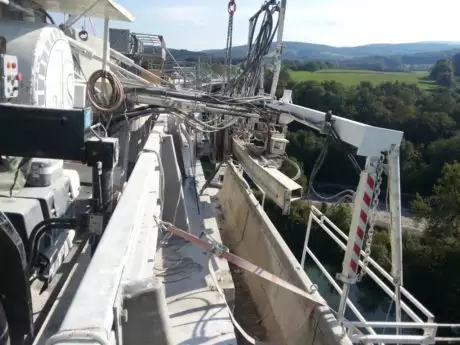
4	330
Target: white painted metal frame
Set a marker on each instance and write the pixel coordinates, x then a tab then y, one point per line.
370	141
74	19
136	80
90	8
277	186
429	327
395	223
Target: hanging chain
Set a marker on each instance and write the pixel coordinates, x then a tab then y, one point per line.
228	54
374	205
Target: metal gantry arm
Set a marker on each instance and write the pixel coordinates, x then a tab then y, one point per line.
370	141
376	144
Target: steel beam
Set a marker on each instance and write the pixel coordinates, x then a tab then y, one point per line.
277	186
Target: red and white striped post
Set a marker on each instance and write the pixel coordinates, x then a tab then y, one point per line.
361	213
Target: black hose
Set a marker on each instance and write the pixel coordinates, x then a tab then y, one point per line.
144	107
123	118
39	230
134	113
116	127
249	78
46	14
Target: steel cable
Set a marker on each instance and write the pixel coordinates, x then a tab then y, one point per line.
246	82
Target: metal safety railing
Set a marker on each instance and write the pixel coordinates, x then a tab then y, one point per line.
422	320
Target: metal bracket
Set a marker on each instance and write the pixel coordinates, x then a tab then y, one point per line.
96	224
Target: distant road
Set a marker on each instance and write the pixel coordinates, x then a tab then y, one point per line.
382	218
382	214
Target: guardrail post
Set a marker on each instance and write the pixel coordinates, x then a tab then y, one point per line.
305	245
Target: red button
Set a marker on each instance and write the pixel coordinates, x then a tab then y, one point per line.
13	65
19	77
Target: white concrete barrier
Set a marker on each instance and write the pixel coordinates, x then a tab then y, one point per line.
288	318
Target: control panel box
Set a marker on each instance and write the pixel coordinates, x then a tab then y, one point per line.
9	77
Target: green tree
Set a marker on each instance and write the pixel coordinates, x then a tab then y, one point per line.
456	63
442	209
440	67
443	73
290	168
446	79
429	155
284	81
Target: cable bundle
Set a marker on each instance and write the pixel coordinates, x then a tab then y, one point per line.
246	82
117	96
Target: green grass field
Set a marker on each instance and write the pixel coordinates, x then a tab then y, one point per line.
353	77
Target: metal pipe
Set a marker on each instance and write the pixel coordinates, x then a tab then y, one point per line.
392	339
279	46
127	61
305	244
125	71
339	290
263	194
395	226
388	324
106	37
398	305
82	49
91	54
372	262
343	299
73	19
371	274
262	79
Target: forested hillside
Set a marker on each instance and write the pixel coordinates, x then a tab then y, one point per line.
388	57
311	51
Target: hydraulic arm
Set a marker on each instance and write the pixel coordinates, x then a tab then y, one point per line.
380	146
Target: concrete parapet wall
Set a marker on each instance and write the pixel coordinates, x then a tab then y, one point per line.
288	318
174	210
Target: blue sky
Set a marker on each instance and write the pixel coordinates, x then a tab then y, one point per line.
202	24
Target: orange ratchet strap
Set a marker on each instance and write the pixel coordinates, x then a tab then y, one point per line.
221	251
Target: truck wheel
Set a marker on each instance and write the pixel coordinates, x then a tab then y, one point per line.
4	331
